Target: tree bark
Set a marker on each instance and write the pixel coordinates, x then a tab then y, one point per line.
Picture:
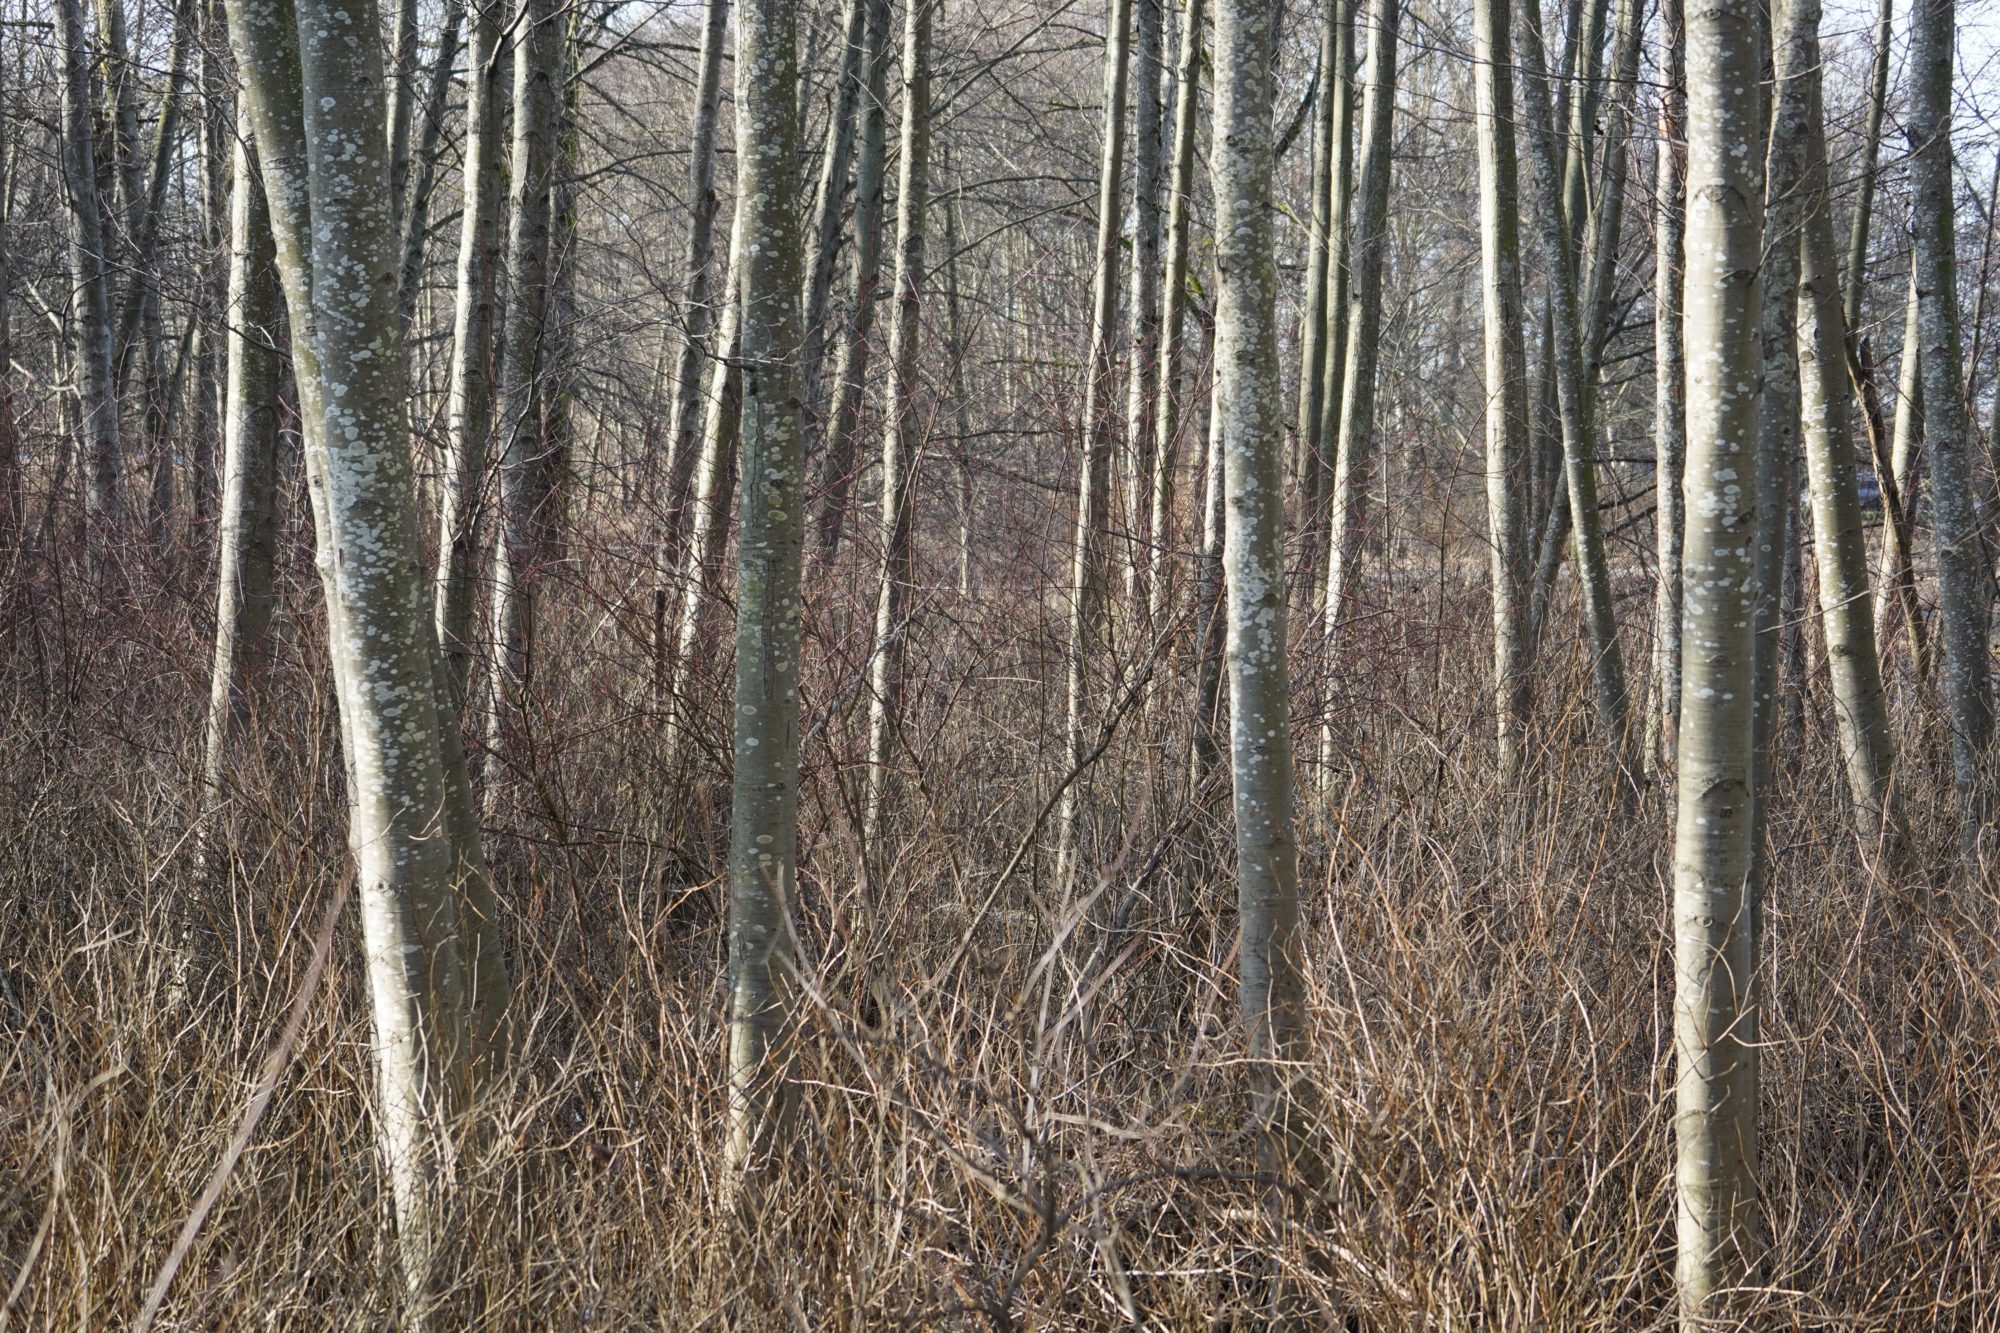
827	206
902	430
1962	575
1094	473
90	289
1669	389
764	803
1144	314
1506	379
1716	1009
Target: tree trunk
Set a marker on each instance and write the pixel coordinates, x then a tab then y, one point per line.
470	402
1901	481
1173	315
902	431
523	538
1144	314
1333	361
1669	390
1839	542
90	288
1367	240
851	367
1094	473
764	805
1962	575
1864	202
1579	463
827	206
1715	939
320	146
1269	987
1506	379
413	217
247	539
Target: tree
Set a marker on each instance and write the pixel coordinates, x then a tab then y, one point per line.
1506	378
1961	560
764	794
321	149
1669	387
1269	988
90	285
1093	506
902	430
1714	911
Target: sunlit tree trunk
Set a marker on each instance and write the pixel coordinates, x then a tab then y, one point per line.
1366	242
1669	389
90	287
1579	462
1173	315
1715	941
1901	482
246	530
470	396
1962	575
844	416
1839	543
1506	377
312	80
828	206
1093	506
902	430
1144	314
1314	323
1269	987
764	805
523	537
1333	360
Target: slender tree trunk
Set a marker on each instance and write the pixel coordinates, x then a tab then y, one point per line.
1173	316
1210	619
1839	544
470	402
1367	241
1144	314
1716	1009
1962	576
320	148
1506	378
1901	480
697	305
828	205
1094	473
902	431
12	514
1333	362
1316	321
1669	389
1864	201
523	537
1579	464
1269	988
413	217
851	368
90	288
764	806
246	533
1778	416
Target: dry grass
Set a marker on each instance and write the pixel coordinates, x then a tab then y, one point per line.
1046	1136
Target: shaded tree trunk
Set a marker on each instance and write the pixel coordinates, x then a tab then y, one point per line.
1669	389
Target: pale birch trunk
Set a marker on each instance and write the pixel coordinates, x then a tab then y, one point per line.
1315	323
1248	394
469	421
844	416
827	208
312	90
1333	362
1716	1008
1573	408
902	430
1962	574
1839	542
1093	506
764	805
522	540
1366	242
1506	378
697	302
1901	481
1173	315
246	535
1144	312
1669	391
90	289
